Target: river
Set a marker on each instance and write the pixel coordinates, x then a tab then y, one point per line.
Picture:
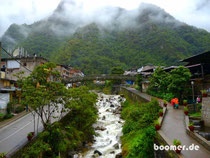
107	142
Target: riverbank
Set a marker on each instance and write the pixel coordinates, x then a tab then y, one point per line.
108	128
138	131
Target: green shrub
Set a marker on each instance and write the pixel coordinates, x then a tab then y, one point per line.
1	115
36	149
138	88
186	109
197	114
8	116
191	124
142	144
161	110
176	142
19	109
2	155
138	130
199	106
10	107
168	96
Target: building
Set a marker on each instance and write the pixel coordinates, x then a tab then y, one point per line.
9	68
131	72
199	66
64	70
76	73
146	71
12	66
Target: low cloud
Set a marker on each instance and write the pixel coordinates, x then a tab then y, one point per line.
81	12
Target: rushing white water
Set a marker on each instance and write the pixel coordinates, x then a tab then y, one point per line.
109	128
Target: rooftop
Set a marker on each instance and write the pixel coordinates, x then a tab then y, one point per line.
199	58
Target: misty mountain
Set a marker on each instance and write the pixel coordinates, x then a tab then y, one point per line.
109	37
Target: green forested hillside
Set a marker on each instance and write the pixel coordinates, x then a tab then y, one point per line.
151	36
97	51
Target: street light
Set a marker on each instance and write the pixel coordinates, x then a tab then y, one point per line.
192	83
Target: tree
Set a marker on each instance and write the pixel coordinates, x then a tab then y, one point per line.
117	70
44	93
159	81
178	80
139	81
49	98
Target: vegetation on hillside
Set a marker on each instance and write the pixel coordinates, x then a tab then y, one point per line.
96	48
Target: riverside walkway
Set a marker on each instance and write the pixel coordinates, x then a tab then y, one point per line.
173	127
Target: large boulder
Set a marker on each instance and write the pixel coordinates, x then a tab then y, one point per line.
96	152
111	106
116	146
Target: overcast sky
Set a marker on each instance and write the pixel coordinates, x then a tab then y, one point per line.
193	12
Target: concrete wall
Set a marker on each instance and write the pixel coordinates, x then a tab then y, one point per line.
133	96
205	112
30	64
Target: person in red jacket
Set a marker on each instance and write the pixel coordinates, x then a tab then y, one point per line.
176	102
172	103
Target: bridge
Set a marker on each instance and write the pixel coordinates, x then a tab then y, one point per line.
102	77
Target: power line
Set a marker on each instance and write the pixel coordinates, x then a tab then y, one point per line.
15	59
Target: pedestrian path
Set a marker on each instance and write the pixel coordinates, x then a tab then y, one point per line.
173	127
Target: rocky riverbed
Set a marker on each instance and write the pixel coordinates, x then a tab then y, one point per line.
107	142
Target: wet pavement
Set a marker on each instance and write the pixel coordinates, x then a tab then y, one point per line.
174	128
14	135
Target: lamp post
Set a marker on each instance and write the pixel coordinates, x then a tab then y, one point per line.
192	83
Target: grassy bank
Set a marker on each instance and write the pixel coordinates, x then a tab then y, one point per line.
138	130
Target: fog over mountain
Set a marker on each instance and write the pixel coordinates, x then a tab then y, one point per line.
95	39
69	16
193	12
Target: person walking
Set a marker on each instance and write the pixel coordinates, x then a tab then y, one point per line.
176	102
198	99
173	103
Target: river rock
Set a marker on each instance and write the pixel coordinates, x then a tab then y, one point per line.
100	128
112	152
96	152
104	117
118	155
116	146
112	106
